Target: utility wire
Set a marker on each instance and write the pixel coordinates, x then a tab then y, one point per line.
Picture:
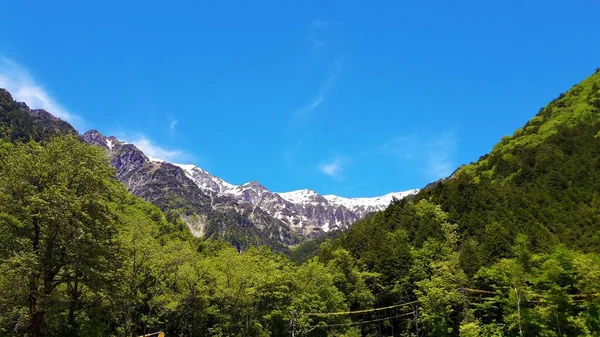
324	314
358	323
532	294
358	311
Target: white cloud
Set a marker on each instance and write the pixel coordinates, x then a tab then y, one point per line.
436	152
333	168
22	86
157	152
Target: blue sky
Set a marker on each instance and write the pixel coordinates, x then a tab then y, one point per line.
345	97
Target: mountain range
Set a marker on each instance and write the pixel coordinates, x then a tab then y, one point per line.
247	214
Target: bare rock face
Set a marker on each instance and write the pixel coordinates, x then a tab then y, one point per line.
306	212
206	212
213	206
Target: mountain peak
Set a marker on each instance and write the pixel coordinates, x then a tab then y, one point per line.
254	184
93	132
95	137
366	205
300	196
42	114
6	100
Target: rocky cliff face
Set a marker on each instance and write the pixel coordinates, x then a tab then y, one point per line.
207	213
211	206
306	212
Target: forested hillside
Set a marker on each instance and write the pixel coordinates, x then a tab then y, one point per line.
506	246
522	225
543	181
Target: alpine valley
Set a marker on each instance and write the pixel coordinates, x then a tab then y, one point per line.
101	240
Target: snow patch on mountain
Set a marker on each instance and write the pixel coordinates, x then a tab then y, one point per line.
205	180
300	196
305	211
376	202
110	144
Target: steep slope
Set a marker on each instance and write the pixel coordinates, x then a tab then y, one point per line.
306	211
207	214
323	214
257	195
543	181
19	123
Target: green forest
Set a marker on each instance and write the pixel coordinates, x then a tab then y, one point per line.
506	246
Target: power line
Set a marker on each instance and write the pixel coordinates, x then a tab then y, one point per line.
530	294
358	311
481	291
478	291
361	322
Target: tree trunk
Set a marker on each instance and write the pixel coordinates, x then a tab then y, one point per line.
73	306
36	320
36	323
519	311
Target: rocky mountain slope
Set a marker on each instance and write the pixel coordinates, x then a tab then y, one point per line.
19	122
305	212
207	214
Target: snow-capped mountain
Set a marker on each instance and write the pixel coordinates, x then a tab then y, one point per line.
305	211
207	213
206	180
362	206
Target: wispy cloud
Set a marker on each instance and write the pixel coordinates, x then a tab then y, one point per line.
316	102
333	71
441	160
173	125
23	87
305	113
333	168
314	36
436	152
290	153
157	152
301	121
